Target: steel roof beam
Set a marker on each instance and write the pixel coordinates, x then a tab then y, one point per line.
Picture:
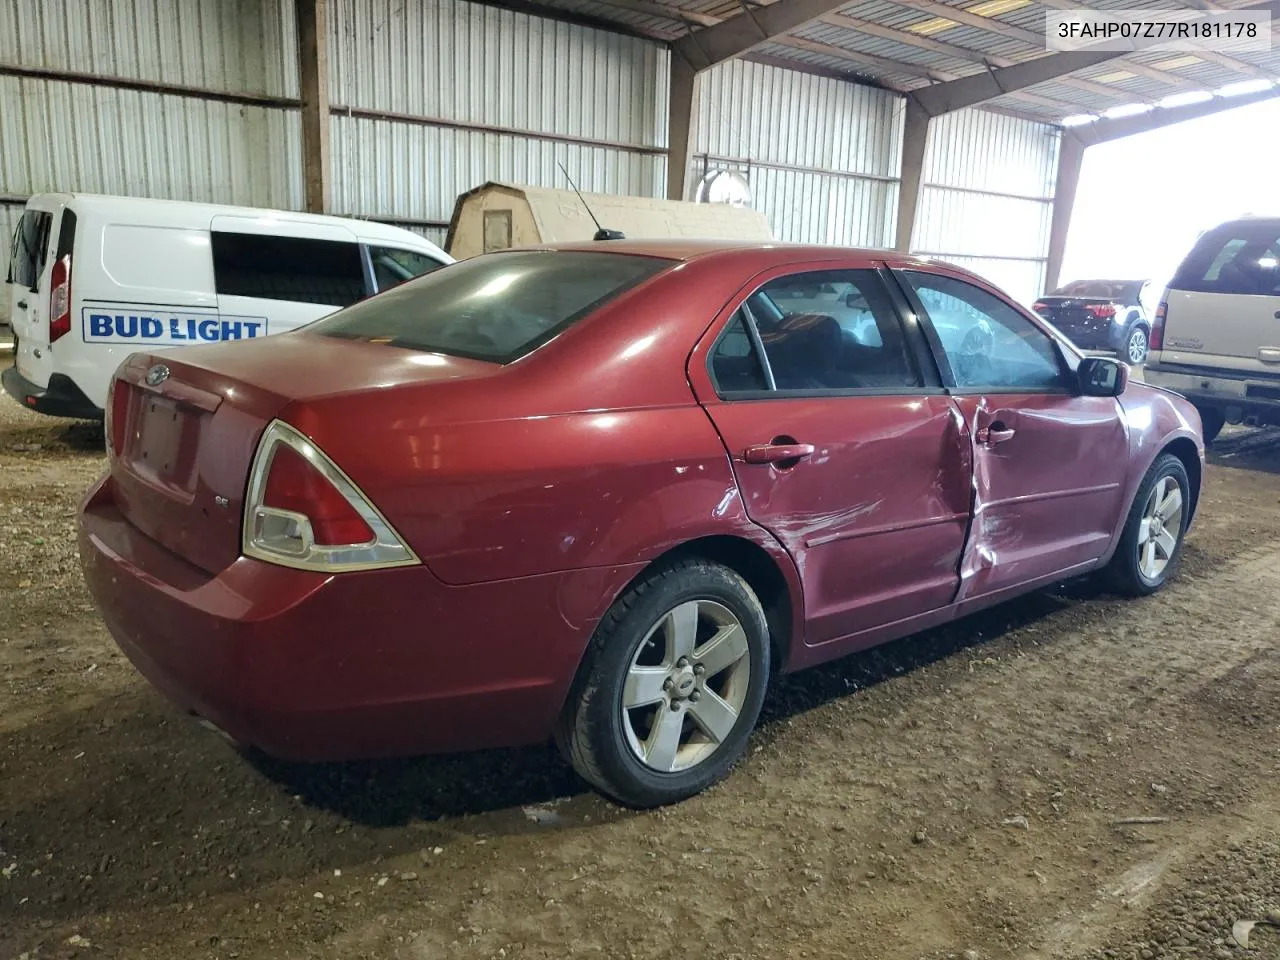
1103	130
755	25
981	87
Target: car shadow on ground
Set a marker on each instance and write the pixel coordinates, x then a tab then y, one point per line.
393	792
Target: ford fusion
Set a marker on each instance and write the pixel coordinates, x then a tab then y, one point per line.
604	493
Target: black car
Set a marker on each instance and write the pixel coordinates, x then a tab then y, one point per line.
1106	315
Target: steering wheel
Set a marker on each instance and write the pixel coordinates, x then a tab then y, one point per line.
973	359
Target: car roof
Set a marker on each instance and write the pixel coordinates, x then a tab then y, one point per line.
695	249
169	210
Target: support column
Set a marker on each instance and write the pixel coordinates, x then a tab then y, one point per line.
1070	156
915	137
313	76
682	116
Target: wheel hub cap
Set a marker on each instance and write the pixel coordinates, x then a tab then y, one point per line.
686	686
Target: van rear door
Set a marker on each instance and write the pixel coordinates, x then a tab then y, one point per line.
31	259
1224	301
273	275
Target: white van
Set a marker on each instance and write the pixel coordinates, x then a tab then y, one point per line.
93	279
1216	337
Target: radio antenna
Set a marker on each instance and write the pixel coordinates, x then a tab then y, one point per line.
601	232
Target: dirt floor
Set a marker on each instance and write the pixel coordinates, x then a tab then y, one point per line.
969	793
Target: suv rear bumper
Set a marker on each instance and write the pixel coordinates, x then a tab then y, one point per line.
1238	398
61	398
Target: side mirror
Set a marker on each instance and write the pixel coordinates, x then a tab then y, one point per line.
1102	377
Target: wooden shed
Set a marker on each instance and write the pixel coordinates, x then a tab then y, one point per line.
496	216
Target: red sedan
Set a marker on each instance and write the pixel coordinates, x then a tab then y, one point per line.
606	492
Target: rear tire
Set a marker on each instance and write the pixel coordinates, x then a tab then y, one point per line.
1212	420
1151	546
1134	351
671	686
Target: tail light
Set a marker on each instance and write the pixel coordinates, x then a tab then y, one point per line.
117	415
1156	340
1039	307
302	511
60	299
1101	310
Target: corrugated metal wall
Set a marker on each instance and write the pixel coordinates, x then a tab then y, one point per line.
592	100
68	135
823	157
987	197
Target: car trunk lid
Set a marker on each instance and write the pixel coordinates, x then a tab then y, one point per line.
184	427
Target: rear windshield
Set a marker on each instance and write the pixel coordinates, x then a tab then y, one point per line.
28	253
1241	257
1123	290
497	307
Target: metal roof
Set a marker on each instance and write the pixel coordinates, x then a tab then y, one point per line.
907	44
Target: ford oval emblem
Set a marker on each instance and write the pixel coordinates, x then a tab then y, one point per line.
157	375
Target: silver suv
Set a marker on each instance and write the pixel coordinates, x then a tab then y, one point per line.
1216	336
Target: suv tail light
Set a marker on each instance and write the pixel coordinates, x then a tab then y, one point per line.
1101	310
1156	340
302	511
1039	306
60	298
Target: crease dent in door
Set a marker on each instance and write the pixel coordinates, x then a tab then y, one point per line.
977	555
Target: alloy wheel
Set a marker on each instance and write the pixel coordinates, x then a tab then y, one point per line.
1137	346
686	686
1160	528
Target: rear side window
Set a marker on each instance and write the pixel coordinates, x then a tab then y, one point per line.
825	331
287	268
497	307
1241	257
392	266
30	249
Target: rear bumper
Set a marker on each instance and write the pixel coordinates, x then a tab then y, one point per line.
61	398
1237	397
308	666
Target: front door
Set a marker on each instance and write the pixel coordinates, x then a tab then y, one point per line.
1049	466
843	443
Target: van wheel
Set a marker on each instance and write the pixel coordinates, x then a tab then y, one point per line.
1151	544
1212	421
671	686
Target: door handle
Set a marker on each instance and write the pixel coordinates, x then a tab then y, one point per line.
778	453
22	304
996	433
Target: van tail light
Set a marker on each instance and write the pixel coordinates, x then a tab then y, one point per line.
117	416
1101	310
302	511
60	299
1039	306
1156	340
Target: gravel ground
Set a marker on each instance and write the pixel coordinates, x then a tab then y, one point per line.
962	793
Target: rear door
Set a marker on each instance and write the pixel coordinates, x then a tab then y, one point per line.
1049	466
1224	301
273	276
31	258
842	441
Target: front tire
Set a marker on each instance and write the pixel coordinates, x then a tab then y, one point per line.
671	686
1151	545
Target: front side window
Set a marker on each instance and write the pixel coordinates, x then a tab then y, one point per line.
988	344
392	266
830	330
1241	257
296	269
498	307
